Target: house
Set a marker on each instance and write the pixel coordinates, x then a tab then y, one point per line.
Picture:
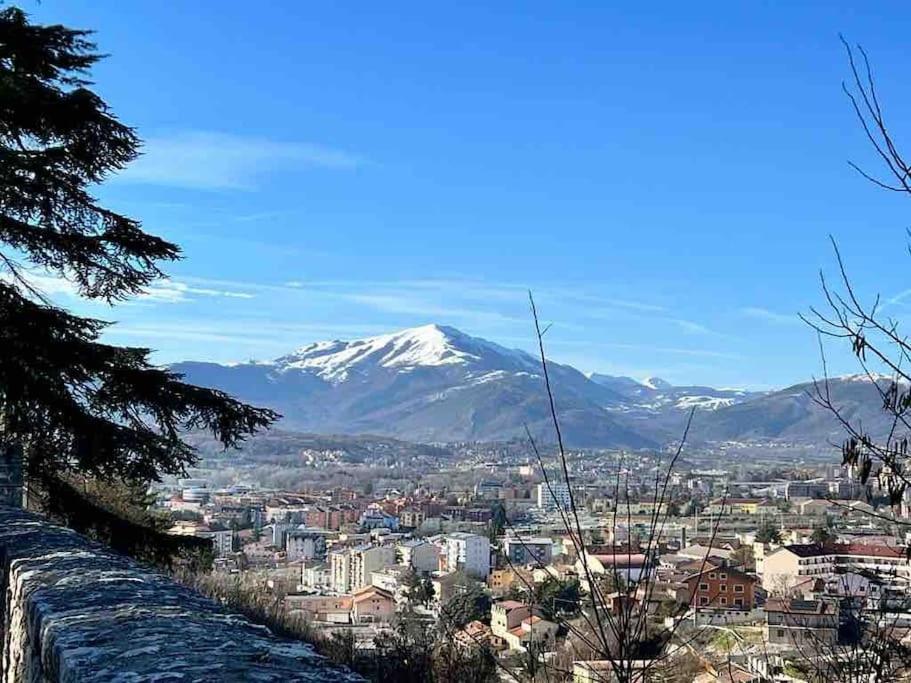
474	634
333	609
628	566
801	623
783	568
532	633
506	615
371	604
720	587
517	626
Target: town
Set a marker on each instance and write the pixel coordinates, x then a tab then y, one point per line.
740	572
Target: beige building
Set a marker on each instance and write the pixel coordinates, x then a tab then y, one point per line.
352	568
372	604
516	625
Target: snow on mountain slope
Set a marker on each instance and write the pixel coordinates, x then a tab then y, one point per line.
429	383
426	346
435	384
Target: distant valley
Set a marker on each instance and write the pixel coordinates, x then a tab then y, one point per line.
436	384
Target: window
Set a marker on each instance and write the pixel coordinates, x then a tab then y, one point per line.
713	576
703	600
738	588
724	577
779	632
738	602
703	586
723	588
724	601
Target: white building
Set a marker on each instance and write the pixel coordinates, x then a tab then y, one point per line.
351	568
305	544
315	575
554	496
420	555
791	564
467	552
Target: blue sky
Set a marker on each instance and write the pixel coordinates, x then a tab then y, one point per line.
663	176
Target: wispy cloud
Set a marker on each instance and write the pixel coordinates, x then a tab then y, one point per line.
173	291
764	314
163	291
221	161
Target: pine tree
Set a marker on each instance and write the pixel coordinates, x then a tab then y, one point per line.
69	401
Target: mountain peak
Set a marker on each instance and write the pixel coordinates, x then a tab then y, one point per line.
657	383
431	345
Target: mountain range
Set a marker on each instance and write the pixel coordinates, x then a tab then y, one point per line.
437	384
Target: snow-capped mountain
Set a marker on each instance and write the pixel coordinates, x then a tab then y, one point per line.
436	384
430	383
656	395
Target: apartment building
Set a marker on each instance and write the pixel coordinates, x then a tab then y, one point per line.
350	568
467	552
790	564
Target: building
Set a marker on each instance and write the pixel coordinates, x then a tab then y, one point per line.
806	489
350	568
315	575
734	506
371	604
305	544
487	488
518	627
785	567
720	587
554	497
411	518
467	552
375	518
801	623
420	555
523	551
332	609
222	539
629	567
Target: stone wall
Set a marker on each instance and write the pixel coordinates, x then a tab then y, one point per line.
10	476
74	611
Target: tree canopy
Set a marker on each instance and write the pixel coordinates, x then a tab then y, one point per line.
68	400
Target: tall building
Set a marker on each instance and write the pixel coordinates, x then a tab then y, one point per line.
469	553
554	497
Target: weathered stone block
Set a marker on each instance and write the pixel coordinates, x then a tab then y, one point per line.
74	611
